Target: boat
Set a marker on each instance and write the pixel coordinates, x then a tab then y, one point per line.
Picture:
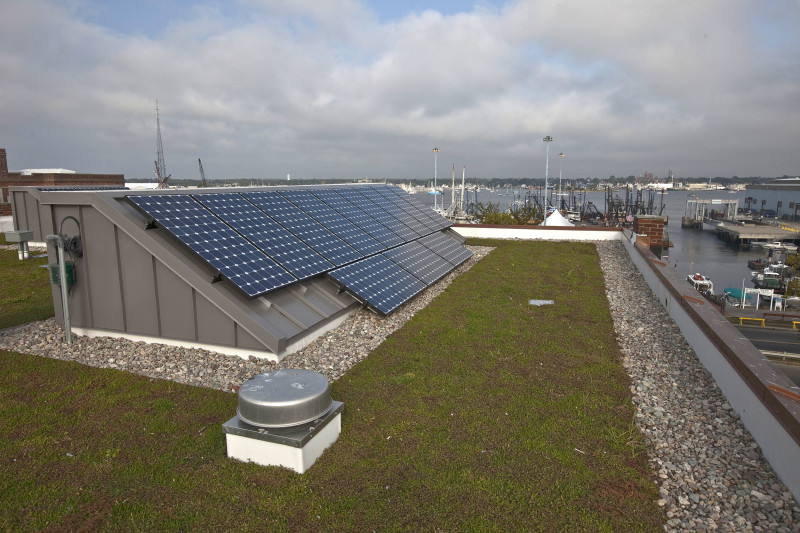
780	246
700	282
772	271
793	302
757	264
769	283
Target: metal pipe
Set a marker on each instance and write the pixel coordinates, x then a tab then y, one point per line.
62	272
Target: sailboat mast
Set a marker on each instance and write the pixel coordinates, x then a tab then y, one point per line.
463	174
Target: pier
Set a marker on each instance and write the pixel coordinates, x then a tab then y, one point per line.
698	210
744	234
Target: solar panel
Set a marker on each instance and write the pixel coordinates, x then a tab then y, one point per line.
219	245
438	221
446	247
331	219
379	282
286	249
378	213
304	227
417	220
420	261
389	206
361	236
361	219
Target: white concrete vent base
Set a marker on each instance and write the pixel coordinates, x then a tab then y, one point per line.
282	446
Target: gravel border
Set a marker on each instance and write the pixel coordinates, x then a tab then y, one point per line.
331	354
711	473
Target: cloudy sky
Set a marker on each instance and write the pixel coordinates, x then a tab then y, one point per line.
367	88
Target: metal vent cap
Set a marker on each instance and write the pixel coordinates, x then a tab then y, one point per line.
284	398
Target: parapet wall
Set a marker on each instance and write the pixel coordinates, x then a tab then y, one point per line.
741	371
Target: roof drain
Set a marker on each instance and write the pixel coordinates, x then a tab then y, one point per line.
285	418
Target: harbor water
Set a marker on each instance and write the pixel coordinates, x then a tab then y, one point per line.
693	250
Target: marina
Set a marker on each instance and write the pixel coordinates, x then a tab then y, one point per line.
714	251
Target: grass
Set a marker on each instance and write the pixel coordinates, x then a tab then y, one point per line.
25	295
483	413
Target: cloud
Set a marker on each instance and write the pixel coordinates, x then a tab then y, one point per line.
329	89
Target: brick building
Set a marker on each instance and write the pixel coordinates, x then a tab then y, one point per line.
49	178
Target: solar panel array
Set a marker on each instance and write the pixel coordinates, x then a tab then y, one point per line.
376	242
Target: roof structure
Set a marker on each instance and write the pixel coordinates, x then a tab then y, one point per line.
262	269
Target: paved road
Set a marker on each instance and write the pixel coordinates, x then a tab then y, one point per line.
773	340
790	371
776	341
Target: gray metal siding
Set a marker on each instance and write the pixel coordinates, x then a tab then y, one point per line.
212	325
297	309
101	269
138	286
324	302
245	340
176	305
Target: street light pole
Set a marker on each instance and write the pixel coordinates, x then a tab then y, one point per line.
547	140
561	159
435	164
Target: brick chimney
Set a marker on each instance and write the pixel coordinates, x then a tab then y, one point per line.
5	208
653	227
3	165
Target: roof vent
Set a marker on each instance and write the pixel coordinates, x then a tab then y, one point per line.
285	418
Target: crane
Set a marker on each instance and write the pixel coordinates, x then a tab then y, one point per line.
161	169
202	173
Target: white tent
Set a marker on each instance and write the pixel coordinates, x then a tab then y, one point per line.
557	219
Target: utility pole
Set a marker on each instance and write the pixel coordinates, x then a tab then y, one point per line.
435	165
561	159
547	140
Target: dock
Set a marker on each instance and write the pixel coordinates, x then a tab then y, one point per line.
744	234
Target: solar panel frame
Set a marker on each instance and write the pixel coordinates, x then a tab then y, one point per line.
260	229
333	221
420	261
224	249
379	282
304	227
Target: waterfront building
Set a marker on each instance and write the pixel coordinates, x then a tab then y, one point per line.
780	197
48	177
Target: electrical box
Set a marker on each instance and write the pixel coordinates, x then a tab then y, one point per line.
55	273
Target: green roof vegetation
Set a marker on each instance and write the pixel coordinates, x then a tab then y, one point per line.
483	413
25	293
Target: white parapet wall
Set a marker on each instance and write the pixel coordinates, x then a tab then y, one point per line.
770	419
539	233
742	373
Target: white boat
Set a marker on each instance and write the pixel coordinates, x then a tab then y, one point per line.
779	246
702	283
